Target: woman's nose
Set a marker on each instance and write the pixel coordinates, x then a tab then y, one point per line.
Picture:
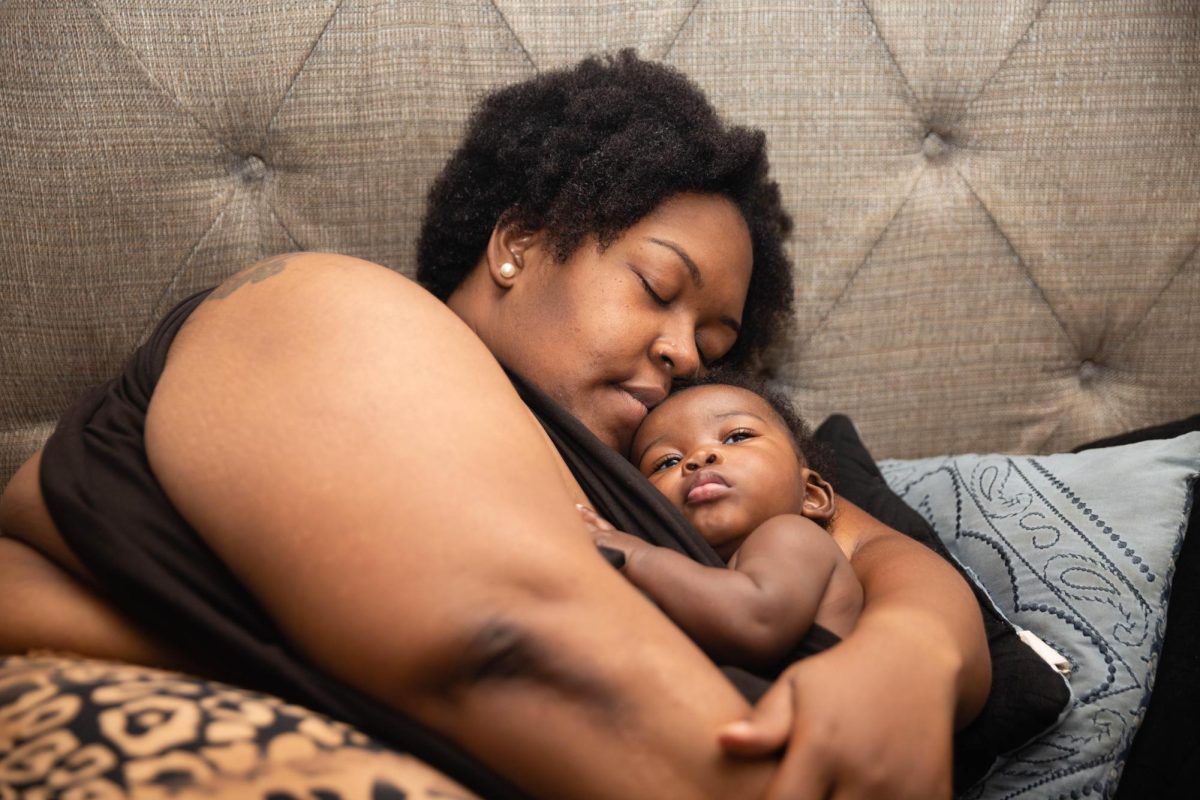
679	355
703	458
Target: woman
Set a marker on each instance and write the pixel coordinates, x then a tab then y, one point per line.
319	421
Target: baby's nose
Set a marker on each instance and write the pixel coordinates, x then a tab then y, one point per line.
695	463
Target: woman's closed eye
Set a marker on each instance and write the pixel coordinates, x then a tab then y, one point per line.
650	290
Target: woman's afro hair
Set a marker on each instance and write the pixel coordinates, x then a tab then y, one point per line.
589	151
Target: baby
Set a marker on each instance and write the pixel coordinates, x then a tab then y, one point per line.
734	462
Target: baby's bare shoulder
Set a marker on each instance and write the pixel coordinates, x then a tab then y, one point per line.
788	536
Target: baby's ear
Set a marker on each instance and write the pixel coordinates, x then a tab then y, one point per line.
818	497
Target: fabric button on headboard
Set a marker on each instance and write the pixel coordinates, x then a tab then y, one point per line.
997	204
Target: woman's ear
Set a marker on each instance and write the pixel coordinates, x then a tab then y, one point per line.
506	253
819	503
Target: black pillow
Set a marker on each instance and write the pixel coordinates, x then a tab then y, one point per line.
1027	695
1164	761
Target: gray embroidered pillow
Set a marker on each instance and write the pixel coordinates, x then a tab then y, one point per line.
1080	550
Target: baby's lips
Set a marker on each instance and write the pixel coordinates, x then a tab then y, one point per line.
707	486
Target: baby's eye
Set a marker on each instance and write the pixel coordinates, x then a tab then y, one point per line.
664	463
740	435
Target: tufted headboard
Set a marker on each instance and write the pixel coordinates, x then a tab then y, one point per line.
997	202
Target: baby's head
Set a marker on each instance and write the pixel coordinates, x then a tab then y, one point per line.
730	455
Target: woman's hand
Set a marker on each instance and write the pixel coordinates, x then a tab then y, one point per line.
863	720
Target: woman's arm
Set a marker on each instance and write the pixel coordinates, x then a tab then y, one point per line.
357	457
751	613
907	586
49	600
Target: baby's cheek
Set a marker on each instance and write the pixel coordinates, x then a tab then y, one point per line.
758	507
668	488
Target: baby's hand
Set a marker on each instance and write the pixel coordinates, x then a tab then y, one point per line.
592	520
608	537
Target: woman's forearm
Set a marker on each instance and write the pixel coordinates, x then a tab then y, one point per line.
49	609
50	603
912	593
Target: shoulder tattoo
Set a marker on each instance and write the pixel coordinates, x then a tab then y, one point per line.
256	273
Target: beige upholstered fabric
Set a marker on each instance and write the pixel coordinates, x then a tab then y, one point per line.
997	201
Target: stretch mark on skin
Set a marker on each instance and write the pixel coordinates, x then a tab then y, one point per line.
255	274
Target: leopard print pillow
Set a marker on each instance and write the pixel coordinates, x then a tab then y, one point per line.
80	729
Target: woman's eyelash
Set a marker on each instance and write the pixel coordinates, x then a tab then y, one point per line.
655	296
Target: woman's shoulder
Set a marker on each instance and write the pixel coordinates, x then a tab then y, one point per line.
330	298
331	275
308	337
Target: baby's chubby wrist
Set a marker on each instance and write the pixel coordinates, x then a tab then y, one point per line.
631	547
607	538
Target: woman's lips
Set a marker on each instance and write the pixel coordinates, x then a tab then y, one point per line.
631	410
707	486
637	400
648	395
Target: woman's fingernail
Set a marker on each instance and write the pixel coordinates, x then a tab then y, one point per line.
739	728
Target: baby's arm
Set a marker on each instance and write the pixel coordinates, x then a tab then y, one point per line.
752	613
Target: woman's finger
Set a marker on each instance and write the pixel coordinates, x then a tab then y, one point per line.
768	726
807	770
805	773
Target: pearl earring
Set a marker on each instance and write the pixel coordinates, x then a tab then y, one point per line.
508	270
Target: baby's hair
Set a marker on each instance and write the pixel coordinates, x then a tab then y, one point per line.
816	454
590	150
